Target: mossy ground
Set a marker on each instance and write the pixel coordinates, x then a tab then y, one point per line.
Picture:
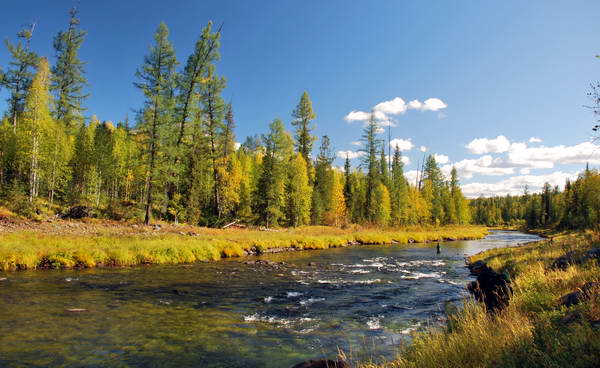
92	244
534	331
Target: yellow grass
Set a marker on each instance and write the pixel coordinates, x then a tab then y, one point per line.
534	331
109	246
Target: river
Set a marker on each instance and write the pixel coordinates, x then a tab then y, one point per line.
365	300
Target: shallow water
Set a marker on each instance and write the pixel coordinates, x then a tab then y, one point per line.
365	300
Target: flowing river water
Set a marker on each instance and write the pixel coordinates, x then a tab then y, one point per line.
365	300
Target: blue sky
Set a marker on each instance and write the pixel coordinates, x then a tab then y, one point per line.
517	69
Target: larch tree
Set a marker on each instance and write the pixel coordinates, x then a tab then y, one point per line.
68	78
213	126
156	80
269	195
323	181
399	190
336	214
297	192
370	162
36	127
19	74
303	115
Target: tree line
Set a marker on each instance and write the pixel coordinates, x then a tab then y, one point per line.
576	207
179	160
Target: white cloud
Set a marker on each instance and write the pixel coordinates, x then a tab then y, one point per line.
516	184
525	171
433	104
237	145
356	116
441	159
423	149
480	146
484	165
547	157
350	154
384	111
356	143
535	140
415	105
402	144
392	107
405	160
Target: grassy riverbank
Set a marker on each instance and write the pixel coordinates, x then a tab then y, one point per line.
535	330
79	244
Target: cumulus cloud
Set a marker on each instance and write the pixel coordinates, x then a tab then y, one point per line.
423	149
356	116
484	165
237	145
441	159
547	157
350	154
535	140
516	184
433	104
395	106
402	144
384	112
481	146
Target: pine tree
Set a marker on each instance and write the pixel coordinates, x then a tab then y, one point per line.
67	75
348	192
156	81
18	76
303	114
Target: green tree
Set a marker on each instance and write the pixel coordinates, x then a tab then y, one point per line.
156	80
323	183
68	78
371	146
399	190
269	193
297	192
303	114
19	74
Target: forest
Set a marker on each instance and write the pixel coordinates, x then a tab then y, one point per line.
178	159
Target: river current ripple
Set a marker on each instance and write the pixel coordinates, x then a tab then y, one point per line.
365	300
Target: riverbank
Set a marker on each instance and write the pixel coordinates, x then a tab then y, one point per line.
67	244
553	319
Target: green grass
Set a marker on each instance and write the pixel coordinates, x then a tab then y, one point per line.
534	331
35	249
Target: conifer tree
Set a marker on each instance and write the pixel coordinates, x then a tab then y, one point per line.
297	192
336	214
303	114
67	75
399	190
36	128
380	199
323	182
348	193
371	145
269	193
156	80
213	127
19	74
